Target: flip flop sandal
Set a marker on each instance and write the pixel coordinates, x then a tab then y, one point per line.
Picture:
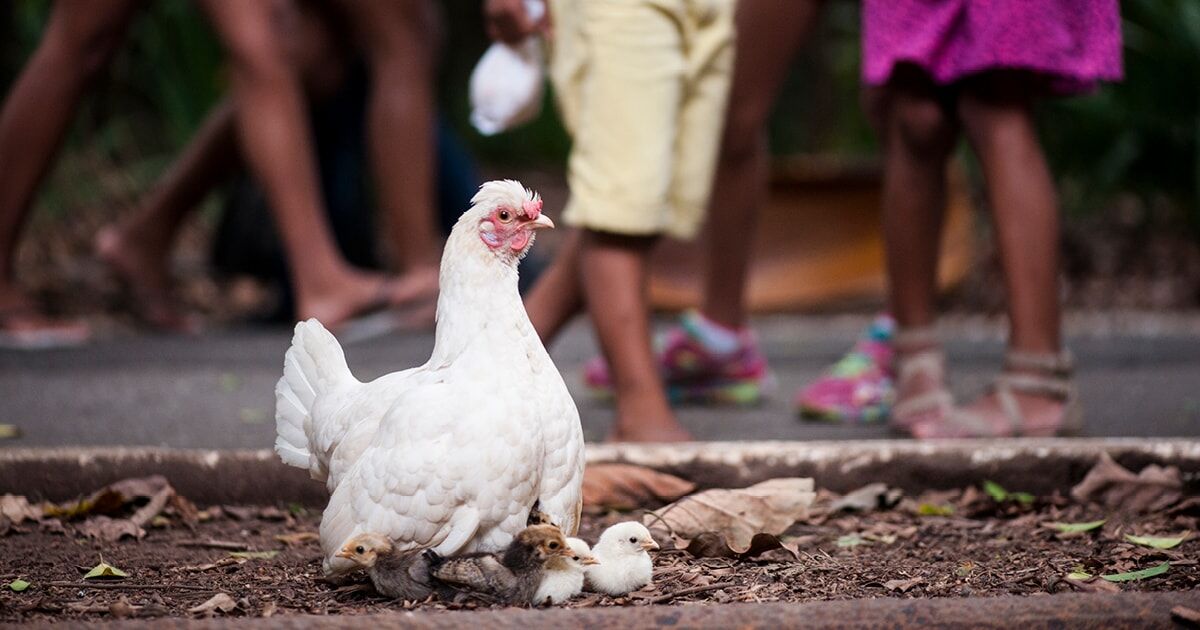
53	334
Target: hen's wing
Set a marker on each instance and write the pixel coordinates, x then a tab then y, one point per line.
448	465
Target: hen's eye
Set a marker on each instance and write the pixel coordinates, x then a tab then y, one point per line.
554	545
505	216
359	549
633	539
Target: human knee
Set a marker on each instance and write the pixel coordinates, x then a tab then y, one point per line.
923	126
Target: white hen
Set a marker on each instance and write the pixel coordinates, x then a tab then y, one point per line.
563	578
453	454
624	564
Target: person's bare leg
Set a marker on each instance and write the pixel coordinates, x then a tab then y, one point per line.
139	246
613	273
557	297
998	122
80	38
918	134
769	33
397	38
275	143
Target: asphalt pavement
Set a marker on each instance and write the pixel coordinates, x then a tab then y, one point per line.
1138	376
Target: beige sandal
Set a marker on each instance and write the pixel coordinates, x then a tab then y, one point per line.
918	355
1041	375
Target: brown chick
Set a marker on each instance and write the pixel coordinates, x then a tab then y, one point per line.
400	575
538	517
513	577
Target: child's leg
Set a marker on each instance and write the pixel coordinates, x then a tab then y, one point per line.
918	135
557	297
80	38
996	116
613	275
138	248
769	32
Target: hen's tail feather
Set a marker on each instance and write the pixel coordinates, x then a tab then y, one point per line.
314	365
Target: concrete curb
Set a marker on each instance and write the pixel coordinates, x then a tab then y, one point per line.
257	476
1070	610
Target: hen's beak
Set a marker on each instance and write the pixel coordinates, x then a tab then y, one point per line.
649	544
542	221
588	560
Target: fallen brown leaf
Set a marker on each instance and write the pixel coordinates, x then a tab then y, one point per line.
1183	613
219	602
17	508
1108	483
628	487
107	529
902	585
739	522
871	497
298	538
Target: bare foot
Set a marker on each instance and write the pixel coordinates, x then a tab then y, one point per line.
141	268
645	419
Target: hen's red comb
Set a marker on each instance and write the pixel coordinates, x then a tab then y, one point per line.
532	208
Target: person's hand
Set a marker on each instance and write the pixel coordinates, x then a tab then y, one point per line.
508	21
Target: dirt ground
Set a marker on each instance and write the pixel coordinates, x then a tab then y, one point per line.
982	549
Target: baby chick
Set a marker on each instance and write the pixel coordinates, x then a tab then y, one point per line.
402	575
514	577
624	564
564	574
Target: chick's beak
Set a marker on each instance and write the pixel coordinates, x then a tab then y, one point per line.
344	554
586	560
542	221
649	544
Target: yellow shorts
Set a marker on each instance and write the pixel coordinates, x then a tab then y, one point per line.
642	86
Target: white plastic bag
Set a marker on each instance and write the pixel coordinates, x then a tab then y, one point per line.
506	85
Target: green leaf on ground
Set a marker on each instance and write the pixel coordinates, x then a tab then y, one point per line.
1079	575
933	509
1158	542
18	585
254	555
1138	575
104	571
9	431
1000	495
1076	528
852	540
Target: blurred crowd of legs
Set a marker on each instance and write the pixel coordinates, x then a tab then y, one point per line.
634	91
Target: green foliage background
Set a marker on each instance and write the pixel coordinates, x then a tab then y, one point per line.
1140	138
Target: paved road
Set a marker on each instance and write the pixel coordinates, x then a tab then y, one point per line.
216	391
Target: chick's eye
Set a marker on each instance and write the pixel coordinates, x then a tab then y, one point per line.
554	545
505	216
633	539
359	549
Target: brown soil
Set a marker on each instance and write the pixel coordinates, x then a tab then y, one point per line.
982	550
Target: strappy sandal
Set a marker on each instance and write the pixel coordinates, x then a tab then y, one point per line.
1041	375
918	355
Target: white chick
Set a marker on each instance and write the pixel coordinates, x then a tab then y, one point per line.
624	564
564	575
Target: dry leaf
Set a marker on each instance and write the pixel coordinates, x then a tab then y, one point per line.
629	487
223	562
219	602
18	509
298	538
902	585
875	496
1183	613
1108	483
122	609
740	522
108	529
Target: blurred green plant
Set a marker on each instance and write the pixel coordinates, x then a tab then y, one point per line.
1140	136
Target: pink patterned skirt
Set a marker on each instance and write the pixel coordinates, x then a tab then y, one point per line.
1074	43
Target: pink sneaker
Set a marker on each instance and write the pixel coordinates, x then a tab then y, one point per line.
693	374
858	388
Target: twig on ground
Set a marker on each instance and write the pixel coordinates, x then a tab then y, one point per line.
228	545
131	587
689	591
